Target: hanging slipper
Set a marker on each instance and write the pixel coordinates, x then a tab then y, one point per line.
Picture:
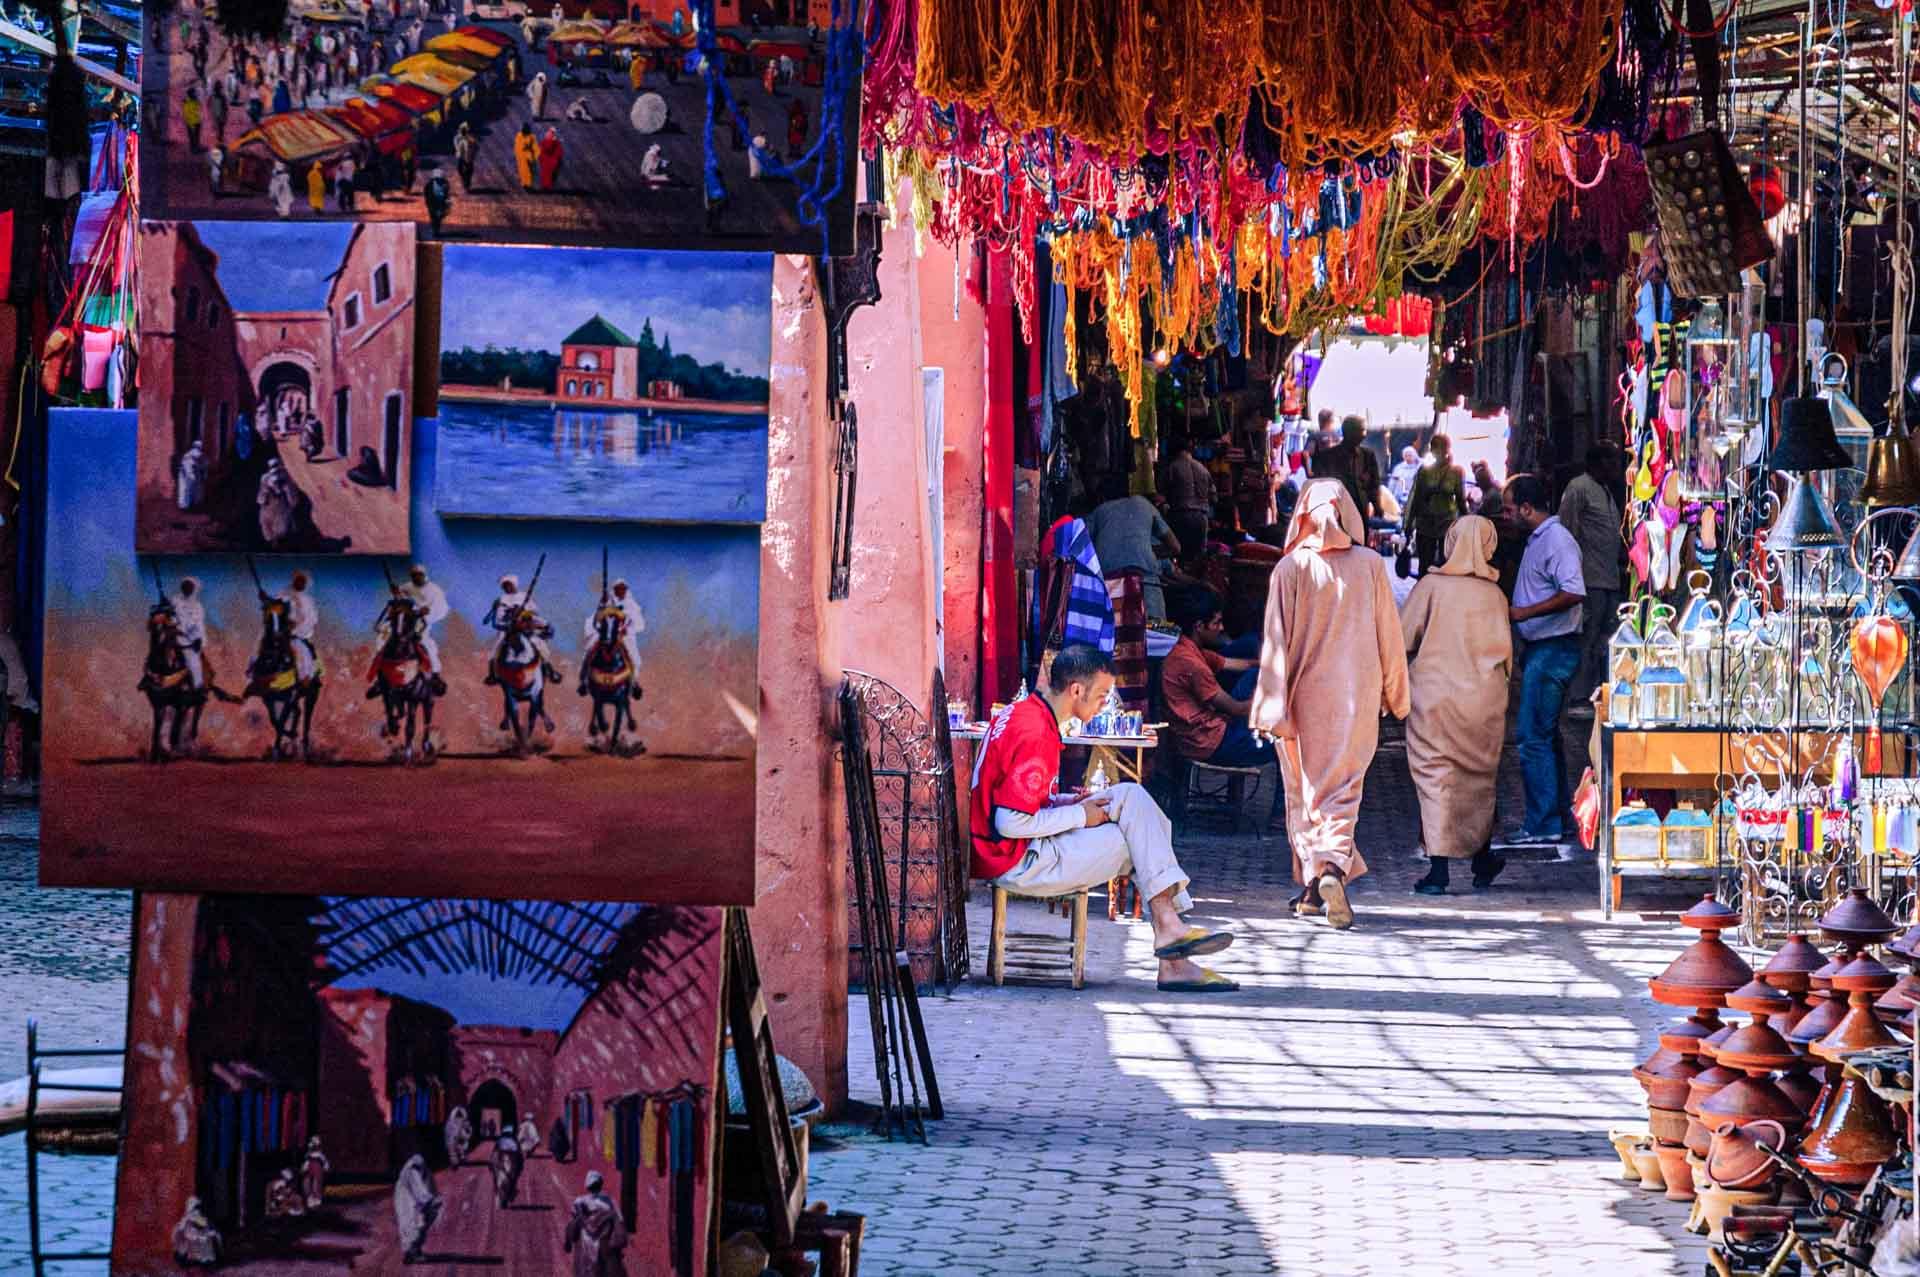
1209	982
1640	554
1197	943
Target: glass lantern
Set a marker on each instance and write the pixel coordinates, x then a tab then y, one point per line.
1663	681
1626	651
1701	637
1700	451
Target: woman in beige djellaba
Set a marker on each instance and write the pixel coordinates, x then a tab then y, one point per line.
1332	661
1460	649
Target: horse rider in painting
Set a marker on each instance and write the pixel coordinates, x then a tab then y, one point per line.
190	620
635	621
501	616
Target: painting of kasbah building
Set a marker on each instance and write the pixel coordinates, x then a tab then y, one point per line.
323	1083
276	373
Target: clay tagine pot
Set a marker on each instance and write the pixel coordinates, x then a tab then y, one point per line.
1706	1083
1855	1135
1756	1050
1665	1075
1708	969
1856	921
1863	980
1791	971
1675	1171
1897	1004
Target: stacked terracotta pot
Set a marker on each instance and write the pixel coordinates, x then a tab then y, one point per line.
1850	1130
1701	978
1717	1091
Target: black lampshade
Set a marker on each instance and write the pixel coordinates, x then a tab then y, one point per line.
1807	441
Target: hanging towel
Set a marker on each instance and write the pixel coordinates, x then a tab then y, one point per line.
1071	603
649	1135
1128	593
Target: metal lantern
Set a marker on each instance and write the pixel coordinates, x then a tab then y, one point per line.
1700	451
1637	834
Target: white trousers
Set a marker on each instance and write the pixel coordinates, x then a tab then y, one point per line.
1139	840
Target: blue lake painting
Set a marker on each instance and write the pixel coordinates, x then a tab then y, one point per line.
545	461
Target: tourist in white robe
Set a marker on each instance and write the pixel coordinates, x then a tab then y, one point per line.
196	1242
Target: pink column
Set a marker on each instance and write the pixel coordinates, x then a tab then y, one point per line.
800	915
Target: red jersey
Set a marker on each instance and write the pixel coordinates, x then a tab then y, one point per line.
1018	768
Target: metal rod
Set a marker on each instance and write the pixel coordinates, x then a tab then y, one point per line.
1802	286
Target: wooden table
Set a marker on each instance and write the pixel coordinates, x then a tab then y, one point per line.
1682	757
1107	749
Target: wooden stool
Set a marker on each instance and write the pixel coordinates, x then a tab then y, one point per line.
1229	792
1032	958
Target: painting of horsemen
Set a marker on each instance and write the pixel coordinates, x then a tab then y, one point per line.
276	366
514	705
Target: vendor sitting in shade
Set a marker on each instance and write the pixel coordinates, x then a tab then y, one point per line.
1208	721
1033	842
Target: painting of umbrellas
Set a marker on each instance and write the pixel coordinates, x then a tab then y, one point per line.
588	122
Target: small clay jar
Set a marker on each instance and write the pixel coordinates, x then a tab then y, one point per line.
1647	1161
1675	1171
1665	1075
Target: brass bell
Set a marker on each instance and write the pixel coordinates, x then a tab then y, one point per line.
1893	471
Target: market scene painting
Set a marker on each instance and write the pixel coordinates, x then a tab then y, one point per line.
619	385
582	123
516	705
320	1083
276	366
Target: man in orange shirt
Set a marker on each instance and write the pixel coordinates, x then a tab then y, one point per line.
1208	723
1032	841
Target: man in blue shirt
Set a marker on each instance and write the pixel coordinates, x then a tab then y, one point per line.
1547	598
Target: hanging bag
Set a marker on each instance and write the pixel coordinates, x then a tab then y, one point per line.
1711	227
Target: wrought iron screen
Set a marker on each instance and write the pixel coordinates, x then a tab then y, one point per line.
911	757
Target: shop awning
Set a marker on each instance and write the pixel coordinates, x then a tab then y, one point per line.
640	35
460	42
472	61
485	35
411	97
388	127
432	72
300	135
578	33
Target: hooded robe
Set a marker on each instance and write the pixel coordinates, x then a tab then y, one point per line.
596	1236
415	1204
1331	661
1460	649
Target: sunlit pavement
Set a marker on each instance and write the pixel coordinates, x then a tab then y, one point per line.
1427	1093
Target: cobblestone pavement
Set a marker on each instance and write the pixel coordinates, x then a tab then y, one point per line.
1428	1093
63	958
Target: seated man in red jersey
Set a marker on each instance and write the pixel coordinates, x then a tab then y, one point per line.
1033	842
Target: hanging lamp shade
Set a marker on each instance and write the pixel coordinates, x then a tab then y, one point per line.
1805	522
1807	441
1907	569
1845	412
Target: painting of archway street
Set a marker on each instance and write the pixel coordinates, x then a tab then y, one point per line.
516	707
604	384
324	1084
276	368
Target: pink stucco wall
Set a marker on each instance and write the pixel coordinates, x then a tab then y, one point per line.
800	912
